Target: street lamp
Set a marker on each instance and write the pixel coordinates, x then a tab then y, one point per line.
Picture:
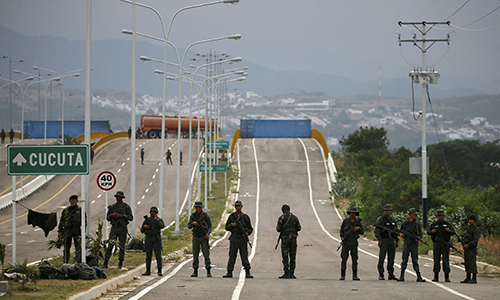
10	86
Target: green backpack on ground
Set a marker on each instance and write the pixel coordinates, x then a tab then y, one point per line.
47	270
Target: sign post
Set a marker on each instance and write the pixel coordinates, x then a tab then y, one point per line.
46	160
106	181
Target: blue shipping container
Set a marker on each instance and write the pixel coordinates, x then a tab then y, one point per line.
275	128
36	129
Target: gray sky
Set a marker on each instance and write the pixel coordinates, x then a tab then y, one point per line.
290	34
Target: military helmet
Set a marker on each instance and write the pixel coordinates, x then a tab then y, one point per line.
153	209
472	217
285	207
387	207
413	211
120	193
353	210
238	203
440	212
73	197
198	204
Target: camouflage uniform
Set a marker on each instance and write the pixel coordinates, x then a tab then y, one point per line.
471	239
199	240
118	229
388	247
70	228
350	243
237	241
288	226
153	240
411	246
440	245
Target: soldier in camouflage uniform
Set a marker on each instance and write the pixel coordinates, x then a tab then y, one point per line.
350	230
441	232
412	227
288	226
238	239
119	214
70	228
471	238
387	242
152	228
200	224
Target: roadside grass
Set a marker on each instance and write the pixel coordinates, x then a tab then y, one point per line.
489	250
44	289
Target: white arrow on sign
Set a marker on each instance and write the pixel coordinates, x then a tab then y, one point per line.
19	159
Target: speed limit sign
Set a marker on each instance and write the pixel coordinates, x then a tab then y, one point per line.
106	180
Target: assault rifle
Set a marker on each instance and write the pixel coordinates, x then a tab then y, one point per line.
356	223
459	239
120	220
237	221
398	231
440	239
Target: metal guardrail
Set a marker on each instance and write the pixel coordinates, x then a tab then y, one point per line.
25	191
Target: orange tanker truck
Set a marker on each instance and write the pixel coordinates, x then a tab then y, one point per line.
151	125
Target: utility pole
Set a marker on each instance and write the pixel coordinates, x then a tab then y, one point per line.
424	77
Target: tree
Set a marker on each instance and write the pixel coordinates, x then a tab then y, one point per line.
365	139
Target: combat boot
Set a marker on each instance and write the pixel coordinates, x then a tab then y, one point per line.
474	279
195	273
229	274
286	274
292	275
436	277
447	277
419	277
381	276
248	275
208	273
467	279
342	274
147	273
392	277
120	264
402	276
355	275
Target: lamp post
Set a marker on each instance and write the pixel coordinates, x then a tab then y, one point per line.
39	78
166	35
10	86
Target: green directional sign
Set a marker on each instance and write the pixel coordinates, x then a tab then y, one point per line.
48	160
219	145
214	168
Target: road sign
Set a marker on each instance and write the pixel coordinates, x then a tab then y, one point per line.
219	145
48	159
106	180
214	168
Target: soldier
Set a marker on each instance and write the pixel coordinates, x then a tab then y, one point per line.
441	232
70	228
129	131
180	158
288	226
387	242
11	135
142	156
168	155
414	229
3	135
350	230
471	238
119	214
240	226
200	224
152	228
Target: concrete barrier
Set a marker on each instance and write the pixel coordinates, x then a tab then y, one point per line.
25	191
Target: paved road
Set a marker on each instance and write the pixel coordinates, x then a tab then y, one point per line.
53	197
293	171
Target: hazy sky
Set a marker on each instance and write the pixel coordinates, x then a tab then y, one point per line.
290	34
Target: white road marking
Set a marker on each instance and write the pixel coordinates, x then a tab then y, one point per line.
147	190
32	241
119	170
123	164
366	252
93	201
241	280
